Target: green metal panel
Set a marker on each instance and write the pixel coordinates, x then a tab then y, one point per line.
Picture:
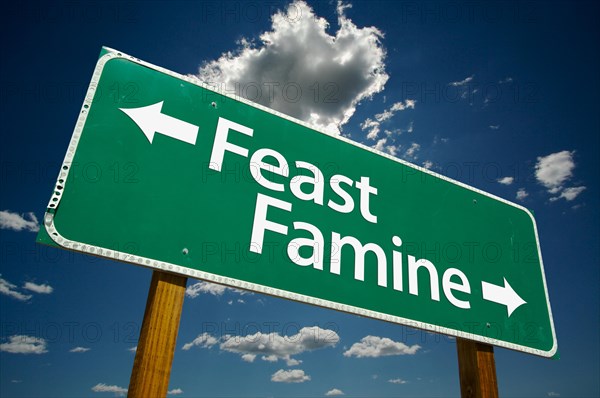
158	204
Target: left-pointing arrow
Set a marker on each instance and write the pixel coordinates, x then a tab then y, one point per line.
504	295
150	120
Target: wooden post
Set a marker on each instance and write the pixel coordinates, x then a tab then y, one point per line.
156	346
477	369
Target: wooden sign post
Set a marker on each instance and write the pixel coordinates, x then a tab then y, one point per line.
477	369
156	346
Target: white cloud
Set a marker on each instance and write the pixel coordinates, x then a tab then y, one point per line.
270	358
522	194
21	344
553	394
248	357
204	340
79	349
411	152
494	126
392	149
300	69
132	349
428	164
292	362
380	146
507	79
462	82
273	347
372	126
101	387
391	111
506	180
16	381
334	393
9	290
199	288
397	381
270	347
41	289
374	347
196	289
290	376
569	193
17	222
175	391
554	170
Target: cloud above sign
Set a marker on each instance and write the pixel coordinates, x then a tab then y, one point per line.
299	69
554	171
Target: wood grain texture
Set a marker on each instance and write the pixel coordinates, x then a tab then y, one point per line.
477	369
156	346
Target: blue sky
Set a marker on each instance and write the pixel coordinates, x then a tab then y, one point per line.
501	96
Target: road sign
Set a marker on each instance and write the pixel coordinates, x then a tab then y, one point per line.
164	172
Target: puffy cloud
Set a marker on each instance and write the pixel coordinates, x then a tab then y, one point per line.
411	152
506	180
372	126
248	357
204	340
290	376
79	349
495	126
380	146
175	391
569	193
522	194
428	164
132	349
270	347
554	170
10	290
292	362
101	387
392	149
397	381
21	344
300	69
334	393
41	289
273	347
374	347
17	222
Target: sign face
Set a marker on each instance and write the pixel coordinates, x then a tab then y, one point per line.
166	173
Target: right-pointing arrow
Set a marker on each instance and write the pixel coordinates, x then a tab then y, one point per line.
504	295
151	120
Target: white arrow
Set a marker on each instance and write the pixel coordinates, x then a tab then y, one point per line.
502	295
150	120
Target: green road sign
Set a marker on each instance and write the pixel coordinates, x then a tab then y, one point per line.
164	172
